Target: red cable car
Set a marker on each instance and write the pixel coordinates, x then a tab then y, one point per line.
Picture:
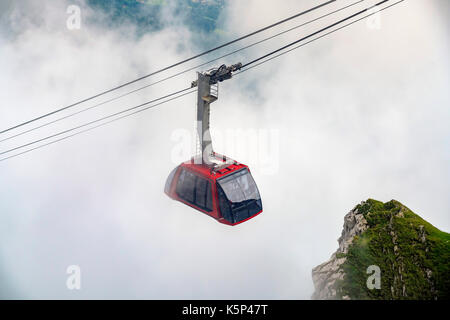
213	184
225	191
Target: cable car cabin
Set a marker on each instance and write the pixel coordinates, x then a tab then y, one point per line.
224	190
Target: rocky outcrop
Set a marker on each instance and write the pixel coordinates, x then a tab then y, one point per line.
325	275
412	256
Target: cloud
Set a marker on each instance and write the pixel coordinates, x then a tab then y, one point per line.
361	113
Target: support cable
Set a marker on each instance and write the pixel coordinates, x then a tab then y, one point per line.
168	67
179	73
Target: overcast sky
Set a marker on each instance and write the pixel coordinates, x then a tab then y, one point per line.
362	113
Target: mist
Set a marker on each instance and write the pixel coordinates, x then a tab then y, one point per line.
361	113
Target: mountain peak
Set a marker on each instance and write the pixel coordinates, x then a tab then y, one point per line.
411	255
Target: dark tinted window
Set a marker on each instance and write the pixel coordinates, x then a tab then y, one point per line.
238	196
209	205
239	186
195	190
224	205
169	180
186	186
200	192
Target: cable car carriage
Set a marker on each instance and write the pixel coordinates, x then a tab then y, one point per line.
211	183
225	190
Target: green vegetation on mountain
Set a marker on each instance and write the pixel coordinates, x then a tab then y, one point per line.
413	256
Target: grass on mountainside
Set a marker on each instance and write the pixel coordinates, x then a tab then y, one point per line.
394	243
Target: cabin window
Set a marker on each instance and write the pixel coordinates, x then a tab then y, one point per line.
186	186
238	196
169	180
224	205
195	190
203	195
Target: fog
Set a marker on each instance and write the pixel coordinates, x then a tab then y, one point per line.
361	113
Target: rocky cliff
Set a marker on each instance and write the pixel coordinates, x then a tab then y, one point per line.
413	257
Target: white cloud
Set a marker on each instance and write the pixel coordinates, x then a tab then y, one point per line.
361	114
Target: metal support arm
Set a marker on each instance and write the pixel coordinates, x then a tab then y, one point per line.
207	93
